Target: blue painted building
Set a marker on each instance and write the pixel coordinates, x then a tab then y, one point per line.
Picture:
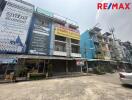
87	46
40	33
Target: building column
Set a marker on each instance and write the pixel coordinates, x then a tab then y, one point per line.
87	66
44	66
66	66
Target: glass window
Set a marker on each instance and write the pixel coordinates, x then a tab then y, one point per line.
60	47
74	41
75	49
60	38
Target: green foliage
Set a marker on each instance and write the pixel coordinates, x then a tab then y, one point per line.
98	70
37	76
22	71
102	69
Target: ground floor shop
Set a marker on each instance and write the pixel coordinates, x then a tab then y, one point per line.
38	66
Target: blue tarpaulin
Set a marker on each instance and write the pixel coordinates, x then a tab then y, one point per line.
8	61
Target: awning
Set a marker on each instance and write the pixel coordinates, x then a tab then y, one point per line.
101	60
8	61
16	56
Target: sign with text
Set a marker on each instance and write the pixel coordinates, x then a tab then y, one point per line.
14	26
65	32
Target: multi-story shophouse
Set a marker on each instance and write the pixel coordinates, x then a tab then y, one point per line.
54	35
127	48
91	44
114	47
15	19
87	47
40	33
56	39
107	46
118	51
65	40
47	38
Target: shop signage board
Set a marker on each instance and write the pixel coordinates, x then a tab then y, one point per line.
40	38
65	32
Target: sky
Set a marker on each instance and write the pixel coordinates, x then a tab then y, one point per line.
85	13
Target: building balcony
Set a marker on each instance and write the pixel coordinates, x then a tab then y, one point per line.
105	49
98	50
75	55
99	56
107	58
59	53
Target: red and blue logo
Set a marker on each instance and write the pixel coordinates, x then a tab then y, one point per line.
113	6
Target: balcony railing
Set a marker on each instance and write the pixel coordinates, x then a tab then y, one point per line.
66	28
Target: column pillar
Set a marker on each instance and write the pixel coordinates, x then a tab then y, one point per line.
66	66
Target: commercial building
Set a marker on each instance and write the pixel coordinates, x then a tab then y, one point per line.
87	47
104	47
53	35
107	45
109	42
65	38
92	44
127	54
36	40
39	34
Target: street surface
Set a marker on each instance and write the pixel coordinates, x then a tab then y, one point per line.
95	87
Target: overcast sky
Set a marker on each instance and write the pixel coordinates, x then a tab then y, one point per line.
85	13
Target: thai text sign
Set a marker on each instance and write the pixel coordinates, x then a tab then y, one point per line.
65	32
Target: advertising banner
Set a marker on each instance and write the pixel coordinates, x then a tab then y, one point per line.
62	31
40	37
14	26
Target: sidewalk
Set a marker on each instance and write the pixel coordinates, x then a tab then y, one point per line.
55	76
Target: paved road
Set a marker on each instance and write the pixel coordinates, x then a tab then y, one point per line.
102	87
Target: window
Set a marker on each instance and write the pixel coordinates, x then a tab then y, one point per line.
75	49
60	38
74	41
60	47
42	22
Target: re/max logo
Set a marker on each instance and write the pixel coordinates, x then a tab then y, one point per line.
113	6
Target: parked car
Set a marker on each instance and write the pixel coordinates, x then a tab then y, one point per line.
126	78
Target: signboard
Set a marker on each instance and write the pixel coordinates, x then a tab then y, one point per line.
40	38
80	63
62	31
14	26
8	61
